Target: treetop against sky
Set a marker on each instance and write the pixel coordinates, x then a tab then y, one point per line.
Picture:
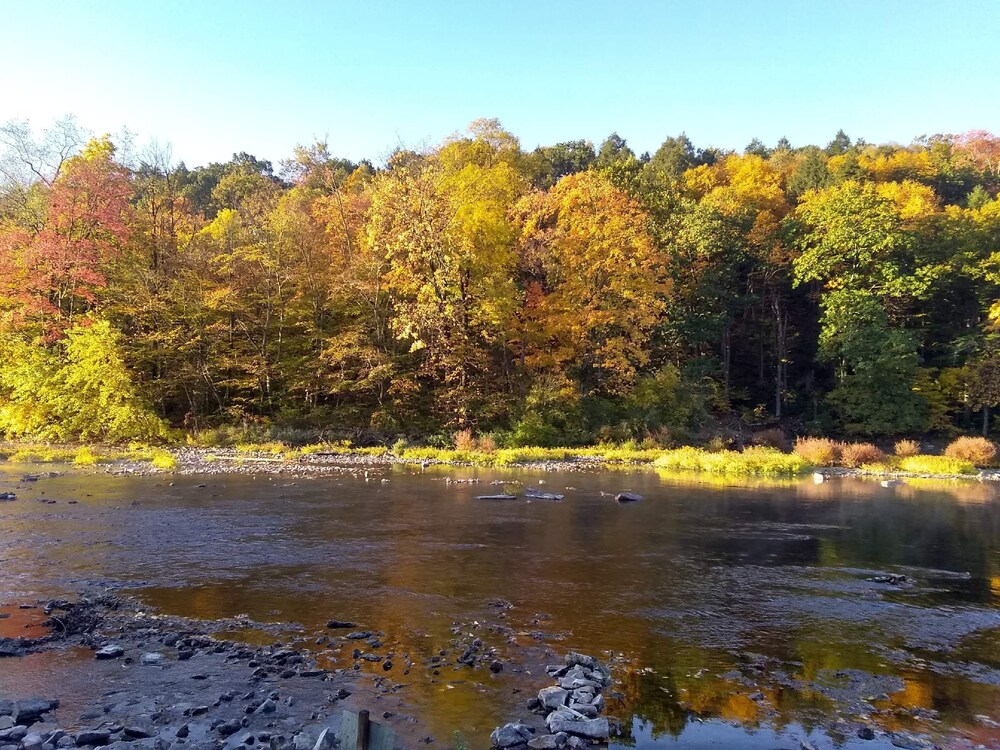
368	77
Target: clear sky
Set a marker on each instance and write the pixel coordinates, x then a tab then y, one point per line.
212	77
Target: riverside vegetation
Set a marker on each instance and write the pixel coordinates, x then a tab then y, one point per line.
963	457
563	296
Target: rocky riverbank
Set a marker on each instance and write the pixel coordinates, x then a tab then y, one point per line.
170	683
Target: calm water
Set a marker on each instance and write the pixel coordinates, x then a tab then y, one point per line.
740	616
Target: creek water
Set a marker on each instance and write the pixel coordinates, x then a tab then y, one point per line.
737	616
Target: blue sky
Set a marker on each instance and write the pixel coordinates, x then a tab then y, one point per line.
213	77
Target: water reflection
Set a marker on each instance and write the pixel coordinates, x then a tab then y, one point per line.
726	605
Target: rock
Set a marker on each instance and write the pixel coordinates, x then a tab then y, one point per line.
627	497
66	741
545	742
227	728
561	738
340	624
6	723
32	742
183	731
30	710
112	651
573	683
151	659
510	735
267	707
6	708
358	635
591	729
139	731
8	496
575	659
16	733
93	737
584	708
866	733
552	698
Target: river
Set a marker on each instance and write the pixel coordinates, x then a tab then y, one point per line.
736	616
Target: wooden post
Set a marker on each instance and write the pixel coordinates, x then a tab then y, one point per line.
362	730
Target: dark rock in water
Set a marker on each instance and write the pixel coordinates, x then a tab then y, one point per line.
228	727
340	624
138	732
627	497
96	737
30	710
866	733
112	651
8	496
535	495
496	666
891	578
496	497
359	635
511	735
6	708
183	731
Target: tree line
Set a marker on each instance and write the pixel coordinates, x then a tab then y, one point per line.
561	295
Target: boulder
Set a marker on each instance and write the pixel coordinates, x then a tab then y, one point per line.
30	710
94	737
591	729
552	698
511	735
545	742
584	708
32	742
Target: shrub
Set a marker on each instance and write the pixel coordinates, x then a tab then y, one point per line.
936	465
817	451
977	450
854	455
757	461
773	437
399	446
486	444
464	440
85	457
907	448
164	460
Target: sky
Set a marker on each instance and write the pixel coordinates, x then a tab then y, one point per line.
214	77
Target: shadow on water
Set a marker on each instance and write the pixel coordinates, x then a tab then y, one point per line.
739	616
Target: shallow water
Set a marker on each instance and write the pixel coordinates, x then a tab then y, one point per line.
741	616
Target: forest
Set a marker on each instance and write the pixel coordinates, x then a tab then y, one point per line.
560	296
